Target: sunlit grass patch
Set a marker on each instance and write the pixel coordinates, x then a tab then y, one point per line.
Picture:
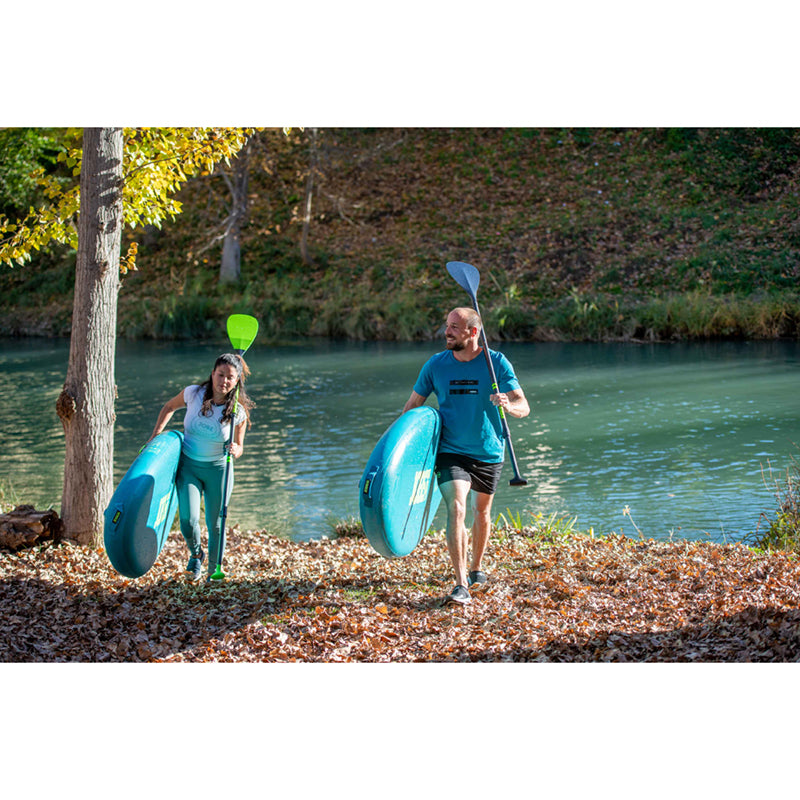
349	526
358	594
782	531
536	524
8	497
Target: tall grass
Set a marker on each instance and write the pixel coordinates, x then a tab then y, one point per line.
8	497
781	530
694	315
536	524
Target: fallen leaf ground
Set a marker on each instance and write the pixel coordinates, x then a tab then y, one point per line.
571	598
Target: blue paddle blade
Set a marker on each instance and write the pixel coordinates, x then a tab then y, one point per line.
466	276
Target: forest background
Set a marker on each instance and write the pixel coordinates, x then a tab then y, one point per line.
579	233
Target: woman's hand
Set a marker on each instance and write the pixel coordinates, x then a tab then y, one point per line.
235	449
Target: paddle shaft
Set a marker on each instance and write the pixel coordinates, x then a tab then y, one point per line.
517	480
468	278
224	515
242	330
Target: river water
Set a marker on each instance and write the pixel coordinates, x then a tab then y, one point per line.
679	434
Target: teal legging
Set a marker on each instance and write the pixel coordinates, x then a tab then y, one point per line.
206	479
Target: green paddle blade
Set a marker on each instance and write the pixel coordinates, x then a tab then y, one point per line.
242	330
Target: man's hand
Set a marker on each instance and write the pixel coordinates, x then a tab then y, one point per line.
513	403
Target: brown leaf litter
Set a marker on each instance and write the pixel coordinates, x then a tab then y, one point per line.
556	599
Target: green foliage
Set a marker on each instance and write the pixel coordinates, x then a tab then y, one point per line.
745	162
587	234
509	520
671	317
9	498
538	525
157	162
750	160
24	153
783	527
350	526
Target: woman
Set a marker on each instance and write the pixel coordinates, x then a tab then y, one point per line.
201	472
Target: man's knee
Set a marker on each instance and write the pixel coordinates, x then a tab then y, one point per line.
483	503
457	508
454	494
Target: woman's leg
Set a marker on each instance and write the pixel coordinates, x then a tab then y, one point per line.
189	490
213	497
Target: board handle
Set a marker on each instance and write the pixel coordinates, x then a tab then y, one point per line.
117	516
369	482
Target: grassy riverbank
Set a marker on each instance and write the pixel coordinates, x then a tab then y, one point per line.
551	598
624	234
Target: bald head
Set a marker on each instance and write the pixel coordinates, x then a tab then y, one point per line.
463	329
470	317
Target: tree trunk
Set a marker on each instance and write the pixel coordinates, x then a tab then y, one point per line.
86	404
230	269
312	168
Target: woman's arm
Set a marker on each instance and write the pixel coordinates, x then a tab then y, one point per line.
165	415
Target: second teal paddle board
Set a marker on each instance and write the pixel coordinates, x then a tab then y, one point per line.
398	493
141	512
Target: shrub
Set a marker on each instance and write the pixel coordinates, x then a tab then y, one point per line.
783	529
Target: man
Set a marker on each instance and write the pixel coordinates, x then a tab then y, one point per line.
471	448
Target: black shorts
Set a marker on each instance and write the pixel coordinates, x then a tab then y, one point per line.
484	477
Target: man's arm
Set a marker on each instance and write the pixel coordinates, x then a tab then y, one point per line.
513	403
415	401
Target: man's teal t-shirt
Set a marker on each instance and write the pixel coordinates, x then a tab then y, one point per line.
470	423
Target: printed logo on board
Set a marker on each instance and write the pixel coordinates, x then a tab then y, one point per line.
422	483
163	506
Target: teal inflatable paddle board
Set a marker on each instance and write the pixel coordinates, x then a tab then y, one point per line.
398	492
141	512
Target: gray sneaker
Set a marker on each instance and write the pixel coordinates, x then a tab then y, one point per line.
477	580
459	595
195	566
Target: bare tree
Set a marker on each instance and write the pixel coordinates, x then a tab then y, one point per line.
312	171
230	270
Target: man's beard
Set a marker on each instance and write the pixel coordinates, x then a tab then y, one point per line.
454	345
